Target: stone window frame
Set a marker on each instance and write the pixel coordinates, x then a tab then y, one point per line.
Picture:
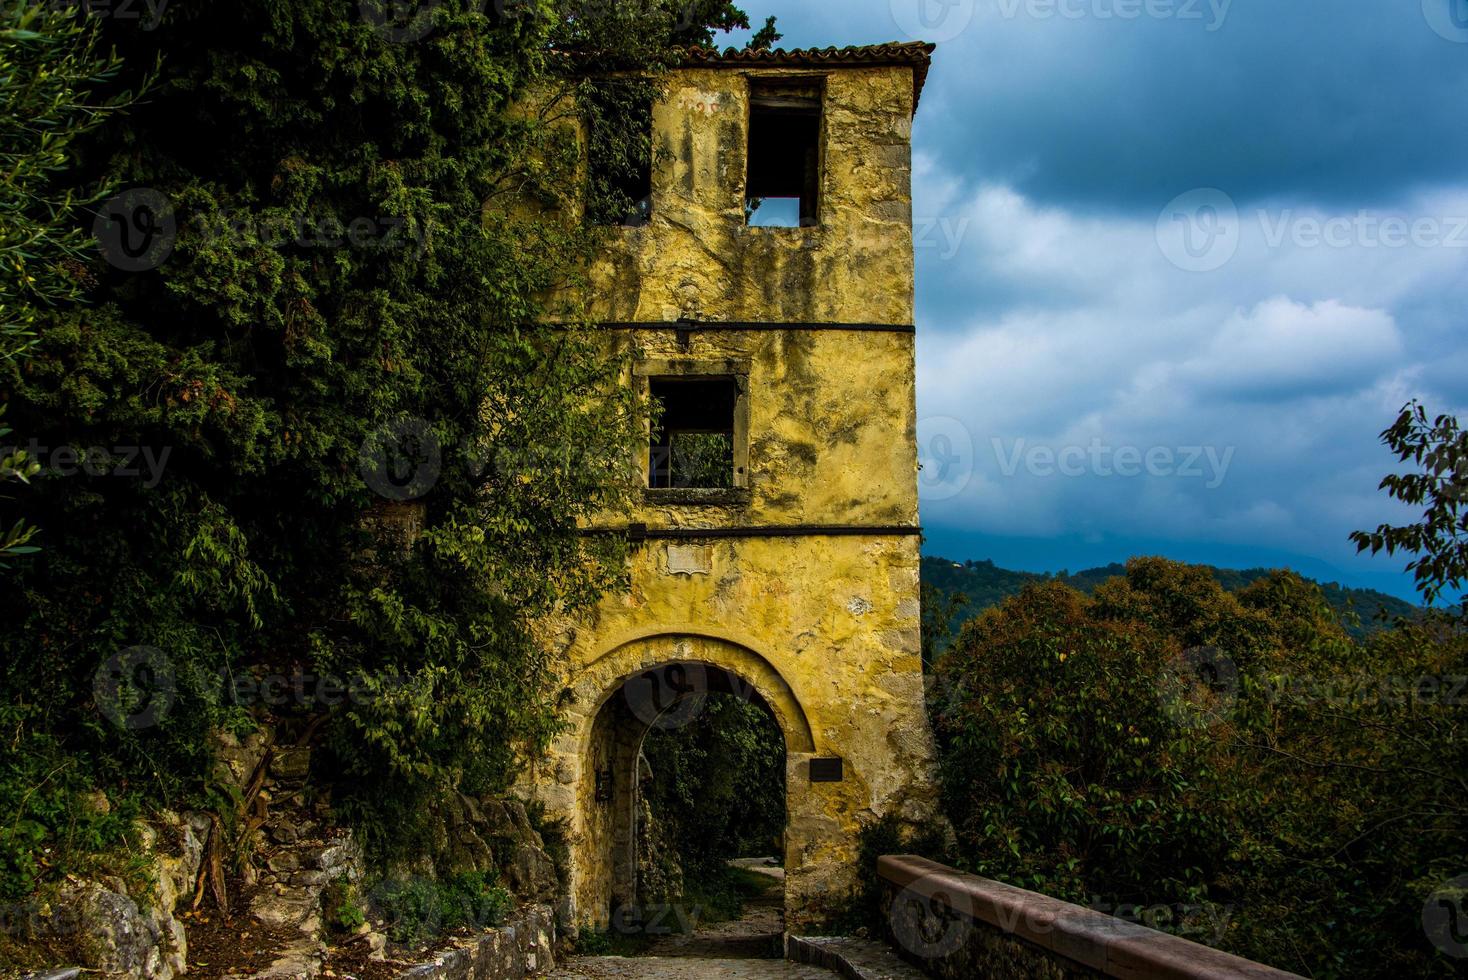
736	368
821	81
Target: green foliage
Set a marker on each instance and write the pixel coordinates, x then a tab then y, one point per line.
54	75
1169	742
342	907
52	69
863	908
287	376
718	788
590	942
956	591
54	823
419	909
702	459
1439	450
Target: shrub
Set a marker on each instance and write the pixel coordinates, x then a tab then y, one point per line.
1084	756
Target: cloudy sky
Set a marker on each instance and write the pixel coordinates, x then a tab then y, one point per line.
1179	263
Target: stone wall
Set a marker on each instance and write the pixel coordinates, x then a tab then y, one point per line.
123	928
824	627
824	630
524	947
956	926
698	258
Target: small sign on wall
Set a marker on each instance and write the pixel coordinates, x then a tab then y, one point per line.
826	770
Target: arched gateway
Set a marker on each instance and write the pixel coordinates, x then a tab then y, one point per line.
775	550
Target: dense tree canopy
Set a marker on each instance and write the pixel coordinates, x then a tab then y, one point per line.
1234	761
313	323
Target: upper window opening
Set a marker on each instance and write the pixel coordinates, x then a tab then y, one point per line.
619	157
693	432
783	179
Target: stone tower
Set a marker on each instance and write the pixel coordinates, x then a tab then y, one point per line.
767	283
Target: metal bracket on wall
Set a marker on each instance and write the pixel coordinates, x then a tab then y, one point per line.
604	786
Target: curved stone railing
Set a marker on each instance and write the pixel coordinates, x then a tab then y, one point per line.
960	925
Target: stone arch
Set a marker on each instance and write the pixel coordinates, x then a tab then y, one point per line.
605	675
619	696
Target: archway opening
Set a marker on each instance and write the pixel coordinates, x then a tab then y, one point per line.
689	764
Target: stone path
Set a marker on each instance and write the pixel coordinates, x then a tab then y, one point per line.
740	949
677	967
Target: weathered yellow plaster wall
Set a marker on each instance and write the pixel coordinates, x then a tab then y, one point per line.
825	628
697	258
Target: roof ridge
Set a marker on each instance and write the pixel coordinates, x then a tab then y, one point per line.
918	54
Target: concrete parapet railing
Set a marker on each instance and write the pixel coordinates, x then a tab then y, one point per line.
951	922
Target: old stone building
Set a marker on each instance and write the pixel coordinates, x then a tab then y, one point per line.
767	284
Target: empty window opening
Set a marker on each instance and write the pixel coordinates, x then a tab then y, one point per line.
692	432
619	153
784	175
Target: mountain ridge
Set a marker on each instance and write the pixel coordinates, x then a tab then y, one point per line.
986	584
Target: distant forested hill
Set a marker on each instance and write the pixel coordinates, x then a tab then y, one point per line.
986	584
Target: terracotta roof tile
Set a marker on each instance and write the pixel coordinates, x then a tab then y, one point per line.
918	54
